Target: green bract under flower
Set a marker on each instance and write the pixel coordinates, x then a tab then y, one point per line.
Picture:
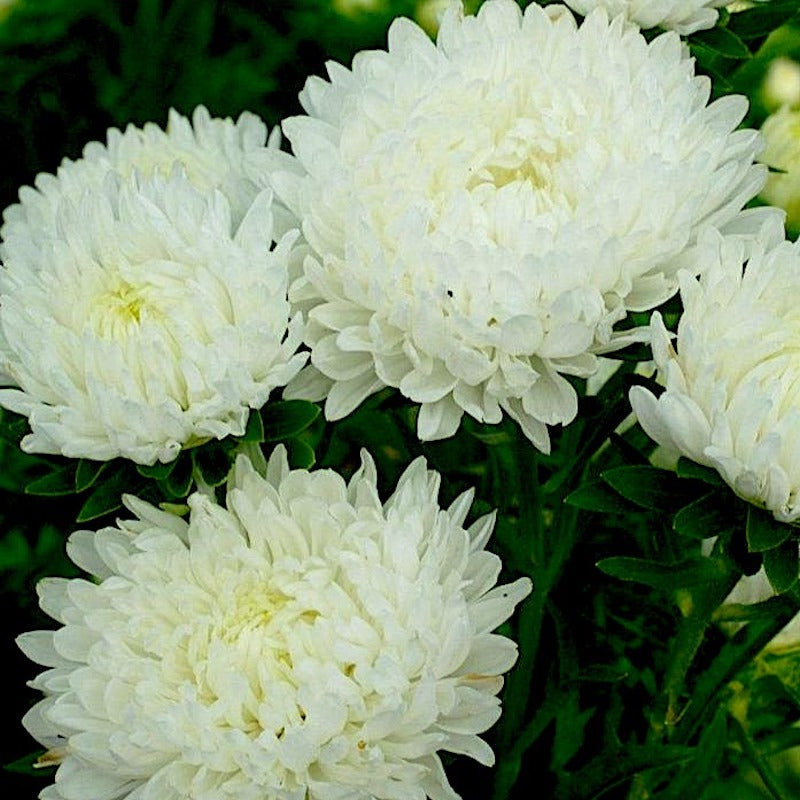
306	641
481	211
143	296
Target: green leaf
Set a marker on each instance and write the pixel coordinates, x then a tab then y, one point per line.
107	496
614	766
780	741
157	471
687	468
723	42
57	483
30	765
762	19
12	426
708	516
695	775
667	577
301	455
254	432
87	473
599	496
765	532
653	488
213	462
492	435
780	564
287	418
179	481
15	552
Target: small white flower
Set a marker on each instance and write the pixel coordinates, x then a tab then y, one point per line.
682	16
732	396
140	317
306	641
481	211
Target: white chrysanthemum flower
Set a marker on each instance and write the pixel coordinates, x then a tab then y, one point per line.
682	16
781	132
304	642
732	397
482	210
214	153
145	318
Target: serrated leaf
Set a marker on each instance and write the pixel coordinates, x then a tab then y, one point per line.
707	516
781	565
599	496
653	488
301	455
157	471
723	42
87	473
667	577
287	418
254	432
764	532
57	483
213	463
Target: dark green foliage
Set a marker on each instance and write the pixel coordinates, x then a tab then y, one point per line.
626	686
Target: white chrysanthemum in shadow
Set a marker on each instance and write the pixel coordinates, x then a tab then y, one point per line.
304	642
214	153
732	396
144	319
481	211
683	16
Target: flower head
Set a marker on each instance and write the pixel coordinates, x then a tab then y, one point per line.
781	132
139	310
682	16
732	396
481	211
306	641
214	153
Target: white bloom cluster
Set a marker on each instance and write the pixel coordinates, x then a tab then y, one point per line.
143	298
682	16
304	642
481	211
732	396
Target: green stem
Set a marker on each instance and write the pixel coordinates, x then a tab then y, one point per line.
732	657
761	765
